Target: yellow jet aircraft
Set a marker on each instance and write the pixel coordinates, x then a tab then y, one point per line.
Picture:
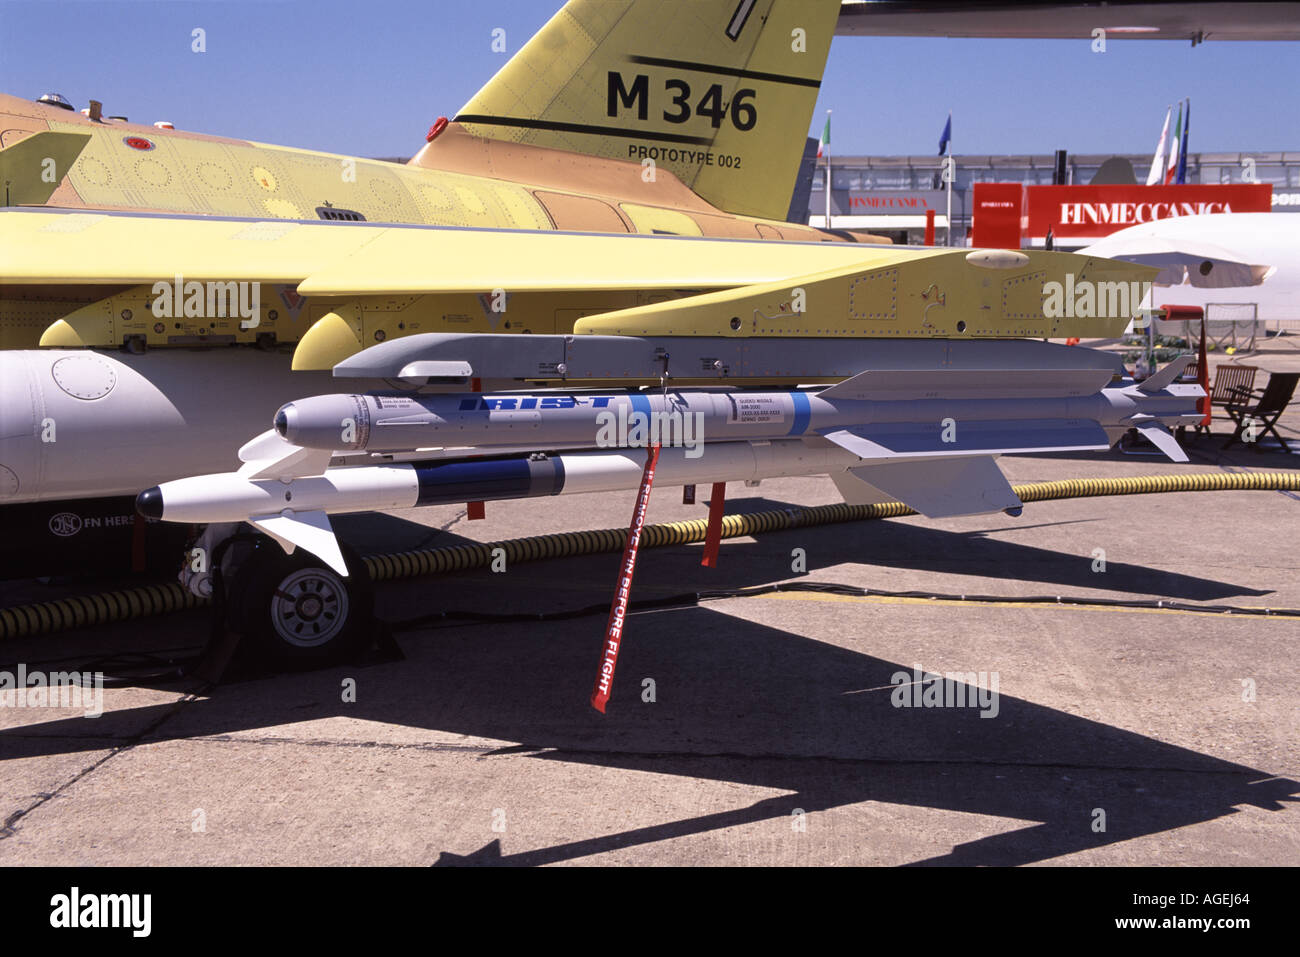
174	279
681	117
647	117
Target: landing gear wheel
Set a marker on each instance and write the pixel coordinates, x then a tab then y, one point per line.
297	611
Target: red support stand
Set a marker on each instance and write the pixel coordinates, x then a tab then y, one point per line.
713	534
1195	314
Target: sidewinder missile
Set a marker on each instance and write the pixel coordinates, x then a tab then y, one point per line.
289	495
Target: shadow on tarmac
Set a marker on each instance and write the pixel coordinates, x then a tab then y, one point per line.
738	701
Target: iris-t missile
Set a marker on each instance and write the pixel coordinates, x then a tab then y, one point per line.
875	414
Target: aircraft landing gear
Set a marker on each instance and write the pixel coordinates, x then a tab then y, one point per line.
298	612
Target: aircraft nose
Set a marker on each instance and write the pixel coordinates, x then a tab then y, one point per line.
149	503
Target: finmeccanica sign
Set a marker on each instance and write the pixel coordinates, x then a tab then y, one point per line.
1127	214
1005	212
1090	212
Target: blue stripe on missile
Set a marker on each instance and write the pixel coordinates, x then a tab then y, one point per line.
802	413
641	403
473	481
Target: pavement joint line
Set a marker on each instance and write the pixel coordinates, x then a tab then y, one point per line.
455	521
1071	605
18	733
544	751
481	750
9	828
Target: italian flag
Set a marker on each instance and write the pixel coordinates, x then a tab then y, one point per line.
823	145
1171	168
1158	161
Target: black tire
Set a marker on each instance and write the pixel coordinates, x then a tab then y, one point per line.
296	611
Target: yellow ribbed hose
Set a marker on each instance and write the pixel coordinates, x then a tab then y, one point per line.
50	616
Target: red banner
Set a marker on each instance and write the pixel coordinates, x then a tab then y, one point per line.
999	219
618	609
1090	212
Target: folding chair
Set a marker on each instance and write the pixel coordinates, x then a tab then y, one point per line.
1267	409
1228	378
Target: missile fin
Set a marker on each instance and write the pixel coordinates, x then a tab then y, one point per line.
855	490
858	444
309	530
893	384
940	488
1165	377
270	457
1160	436
280	540
951	438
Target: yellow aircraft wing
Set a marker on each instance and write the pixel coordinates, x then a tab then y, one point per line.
340	259
51	246
402	261
370	282
336	288
931	293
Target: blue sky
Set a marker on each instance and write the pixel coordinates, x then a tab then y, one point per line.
367	77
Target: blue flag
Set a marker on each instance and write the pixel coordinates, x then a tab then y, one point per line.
946	135
1182	152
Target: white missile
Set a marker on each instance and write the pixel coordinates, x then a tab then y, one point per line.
281	495
900	412
874	450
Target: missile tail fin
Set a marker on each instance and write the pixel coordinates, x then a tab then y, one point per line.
1159	436
892	384
950	438
270	457
855	490
941	488
309	530
1165	377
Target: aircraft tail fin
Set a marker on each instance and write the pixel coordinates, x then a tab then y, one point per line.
719	92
